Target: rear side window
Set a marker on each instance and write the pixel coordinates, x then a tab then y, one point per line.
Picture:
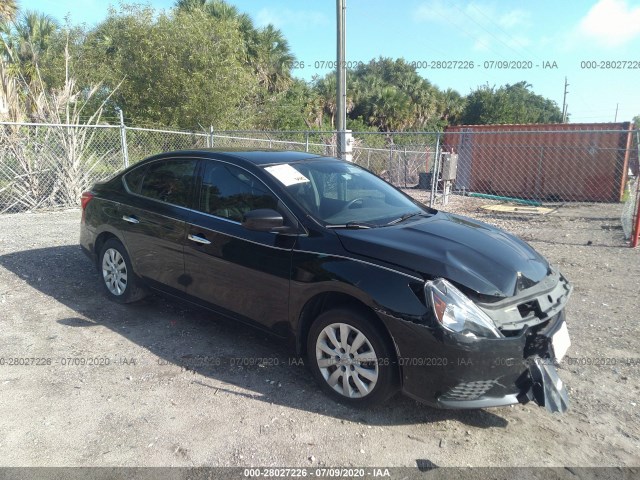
230	192
169	181
133	179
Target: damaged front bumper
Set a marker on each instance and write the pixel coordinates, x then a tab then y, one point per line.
547	390
464	372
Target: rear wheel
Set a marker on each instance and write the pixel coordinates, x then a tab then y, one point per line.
351	359
118	278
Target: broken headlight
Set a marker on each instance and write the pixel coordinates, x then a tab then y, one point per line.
456	312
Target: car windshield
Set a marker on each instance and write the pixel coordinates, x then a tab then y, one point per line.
343	195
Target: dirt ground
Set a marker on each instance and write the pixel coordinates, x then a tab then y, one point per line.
162	384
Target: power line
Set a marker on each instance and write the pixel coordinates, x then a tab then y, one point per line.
525	49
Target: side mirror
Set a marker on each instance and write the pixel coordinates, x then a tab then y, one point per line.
263	220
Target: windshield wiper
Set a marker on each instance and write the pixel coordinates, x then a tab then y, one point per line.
353	225
405	217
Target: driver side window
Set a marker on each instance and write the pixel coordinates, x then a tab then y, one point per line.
230	192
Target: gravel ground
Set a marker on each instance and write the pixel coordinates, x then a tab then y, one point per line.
156	383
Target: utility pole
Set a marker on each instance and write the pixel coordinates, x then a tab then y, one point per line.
564	102
341	78
615	118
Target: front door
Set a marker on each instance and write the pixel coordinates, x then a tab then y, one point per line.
238	271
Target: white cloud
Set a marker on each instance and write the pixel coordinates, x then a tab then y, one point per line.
481	14
284	17
513	19
487	25
611	23
434	11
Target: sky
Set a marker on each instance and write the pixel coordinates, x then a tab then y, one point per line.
594	44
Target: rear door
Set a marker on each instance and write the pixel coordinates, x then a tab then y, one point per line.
154	222
240	272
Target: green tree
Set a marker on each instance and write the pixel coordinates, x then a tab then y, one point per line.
29	40
390	95
509	104
8	10
326	90
298	108
267	49
26	37
190	5
391	109
272	59
452	106
183	68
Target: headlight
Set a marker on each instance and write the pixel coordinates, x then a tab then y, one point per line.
456	312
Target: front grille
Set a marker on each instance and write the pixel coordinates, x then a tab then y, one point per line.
469	390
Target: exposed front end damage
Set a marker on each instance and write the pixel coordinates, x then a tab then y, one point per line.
472	365
538	312
528	306
492	327
547	390
523	370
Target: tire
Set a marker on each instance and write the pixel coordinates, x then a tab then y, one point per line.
362	379
116	272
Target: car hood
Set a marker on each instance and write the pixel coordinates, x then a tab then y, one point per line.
470	253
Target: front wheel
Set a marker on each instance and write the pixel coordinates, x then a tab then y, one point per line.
351	359
117	274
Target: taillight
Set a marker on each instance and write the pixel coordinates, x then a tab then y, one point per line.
86	198
84	201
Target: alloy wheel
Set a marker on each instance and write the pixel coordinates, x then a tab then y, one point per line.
347	360
114	271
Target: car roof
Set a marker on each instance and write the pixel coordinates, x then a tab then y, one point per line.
239	156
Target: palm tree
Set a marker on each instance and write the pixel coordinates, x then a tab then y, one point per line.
267	50
30	39
24	44
326	88
451	105
273	59
188	5
8	10
222	10
391	110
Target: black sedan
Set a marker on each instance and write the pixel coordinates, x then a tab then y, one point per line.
380	292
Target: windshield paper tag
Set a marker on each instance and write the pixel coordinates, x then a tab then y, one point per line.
287	174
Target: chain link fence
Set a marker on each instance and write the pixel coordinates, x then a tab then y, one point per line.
44	166
566	165
49	166
551	166
398	158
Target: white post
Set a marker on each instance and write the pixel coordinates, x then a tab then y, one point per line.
123	139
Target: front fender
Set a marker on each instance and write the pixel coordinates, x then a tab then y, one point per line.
388	292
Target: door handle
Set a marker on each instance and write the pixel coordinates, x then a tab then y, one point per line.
129	219
198	239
